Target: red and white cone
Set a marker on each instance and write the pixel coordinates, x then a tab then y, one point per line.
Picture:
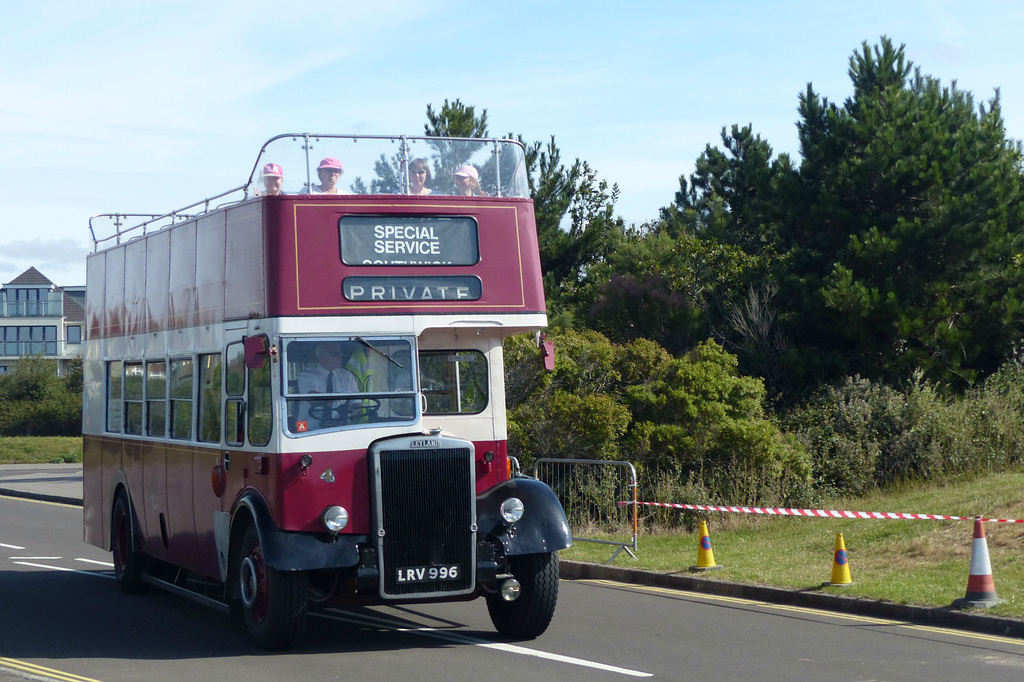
981	589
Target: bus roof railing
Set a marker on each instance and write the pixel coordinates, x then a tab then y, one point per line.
499	164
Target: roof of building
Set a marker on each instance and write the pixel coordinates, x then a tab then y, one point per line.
74	307
30	277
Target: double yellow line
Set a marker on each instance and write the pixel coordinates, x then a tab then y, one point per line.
39	670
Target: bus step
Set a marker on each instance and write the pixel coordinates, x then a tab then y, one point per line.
185	592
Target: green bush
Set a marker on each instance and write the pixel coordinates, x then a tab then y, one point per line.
863	436
34	401
693	418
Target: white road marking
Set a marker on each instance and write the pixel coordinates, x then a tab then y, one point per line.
61	568
463	639
93	561
10	546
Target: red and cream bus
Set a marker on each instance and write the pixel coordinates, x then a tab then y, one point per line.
296	400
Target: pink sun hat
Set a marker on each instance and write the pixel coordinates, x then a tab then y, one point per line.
468	171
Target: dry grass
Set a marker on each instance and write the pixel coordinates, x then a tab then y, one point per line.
915	562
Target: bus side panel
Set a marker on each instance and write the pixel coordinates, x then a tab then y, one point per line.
93	501
135	288
95	276
210	282
245	298
154	482
109	474
182	277
113	295
206	507
181	524
158	263
131	464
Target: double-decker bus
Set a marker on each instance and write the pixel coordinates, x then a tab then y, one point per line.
294	391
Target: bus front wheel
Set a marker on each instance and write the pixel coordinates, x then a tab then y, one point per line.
529	615
128	563
274	604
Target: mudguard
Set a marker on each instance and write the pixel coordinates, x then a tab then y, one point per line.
287	551
543	527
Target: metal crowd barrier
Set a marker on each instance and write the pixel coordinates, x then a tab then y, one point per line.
590	490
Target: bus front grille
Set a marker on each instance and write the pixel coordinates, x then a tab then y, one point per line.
426	508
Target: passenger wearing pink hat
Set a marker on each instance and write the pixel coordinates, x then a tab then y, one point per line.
467	182
329	172
273	179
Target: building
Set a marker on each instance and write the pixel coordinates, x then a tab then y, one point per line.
39	318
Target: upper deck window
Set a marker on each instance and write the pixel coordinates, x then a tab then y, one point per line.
339	382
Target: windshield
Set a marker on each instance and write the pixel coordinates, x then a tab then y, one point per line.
334	382
346	164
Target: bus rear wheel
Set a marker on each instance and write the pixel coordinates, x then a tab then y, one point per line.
128	563
273	604
529	615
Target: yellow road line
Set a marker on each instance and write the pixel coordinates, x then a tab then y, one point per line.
40	670
871	620
29	499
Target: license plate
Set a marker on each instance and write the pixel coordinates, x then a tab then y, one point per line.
425	574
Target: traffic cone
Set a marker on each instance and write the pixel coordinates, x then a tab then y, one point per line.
705	555
981	589
840	565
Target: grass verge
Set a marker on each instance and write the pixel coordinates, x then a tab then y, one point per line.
907	562
41	450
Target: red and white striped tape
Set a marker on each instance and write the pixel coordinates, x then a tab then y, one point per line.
826	513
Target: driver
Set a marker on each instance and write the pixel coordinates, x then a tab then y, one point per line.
328	376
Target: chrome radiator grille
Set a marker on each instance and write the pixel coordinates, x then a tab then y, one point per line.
426	509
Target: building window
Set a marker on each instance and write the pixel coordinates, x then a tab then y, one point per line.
36	340
75	334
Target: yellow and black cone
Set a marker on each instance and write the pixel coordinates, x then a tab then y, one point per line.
840	565
705	555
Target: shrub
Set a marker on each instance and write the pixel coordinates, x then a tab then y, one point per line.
34	401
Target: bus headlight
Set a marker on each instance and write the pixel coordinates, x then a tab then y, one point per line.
334	519
512	510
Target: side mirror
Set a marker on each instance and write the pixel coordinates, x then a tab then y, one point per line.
256	351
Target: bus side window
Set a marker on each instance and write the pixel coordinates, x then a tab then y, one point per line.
208	429
133	398
260	410
234	418
115	380
454	382
156	398
234	385
181	398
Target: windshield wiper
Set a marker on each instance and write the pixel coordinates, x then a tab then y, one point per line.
379	352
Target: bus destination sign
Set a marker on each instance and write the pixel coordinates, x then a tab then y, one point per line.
421	289
408	240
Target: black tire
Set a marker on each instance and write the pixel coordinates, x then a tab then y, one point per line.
529	615
129	563
273	604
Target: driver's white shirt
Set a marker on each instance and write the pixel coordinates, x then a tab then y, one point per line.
315	381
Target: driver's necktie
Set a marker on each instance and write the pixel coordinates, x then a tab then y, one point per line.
330	382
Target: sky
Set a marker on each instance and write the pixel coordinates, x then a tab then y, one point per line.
137	107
